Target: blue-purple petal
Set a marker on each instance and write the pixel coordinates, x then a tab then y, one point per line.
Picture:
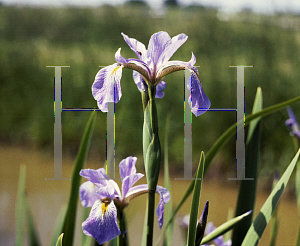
171	48
164	198
292	123
198	101
87	193
138	47
106	87
140	83
119	58
159	89
157	45
127	167
129	181
188	64
95	176
106	191
102	227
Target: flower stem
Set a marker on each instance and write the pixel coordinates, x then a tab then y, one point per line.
122	229
151	206
152	157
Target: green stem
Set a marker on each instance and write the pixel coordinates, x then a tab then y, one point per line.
152	157
122	228
151	206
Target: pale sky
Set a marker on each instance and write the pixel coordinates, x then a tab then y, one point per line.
260	6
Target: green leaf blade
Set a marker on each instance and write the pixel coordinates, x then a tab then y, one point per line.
258	226
219	143
20	207
70	217
167	183
247	191
224	228
191	238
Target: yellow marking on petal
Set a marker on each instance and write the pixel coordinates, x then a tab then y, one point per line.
105	202
115	70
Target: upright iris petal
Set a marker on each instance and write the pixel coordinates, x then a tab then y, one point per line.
150	68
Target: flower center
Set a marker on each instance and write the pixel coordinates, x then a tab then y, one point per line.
105	202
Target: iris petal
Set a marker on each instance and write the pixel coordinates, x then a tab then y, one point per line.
106	87
102	226
164	198
176	42
157	45
95	176
165	65
129	181
127	167
198	101
141	85
88	195
159	89
138	47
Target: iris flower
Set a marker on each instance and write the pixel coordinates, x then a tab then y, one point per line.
105	198
150	68
292	123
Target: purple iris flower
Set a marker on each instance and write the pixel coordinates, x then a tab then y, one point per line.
105	198
150	68
292	123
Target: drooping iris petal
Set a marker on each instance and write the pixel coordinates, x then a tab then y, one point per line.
95	176
136	190
198	101
102	222
87	193
106	87
164	198
188	64
176	42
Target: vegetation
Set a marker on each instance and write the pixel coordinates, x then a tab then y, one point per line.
85	38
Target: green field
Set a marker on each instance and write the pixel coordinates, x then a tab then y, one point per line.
84	38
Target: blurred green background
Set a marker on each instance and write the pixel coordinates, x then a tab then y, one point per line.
84	38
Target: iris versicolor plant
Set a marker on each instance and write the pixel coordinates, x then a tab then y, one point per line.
106	219
149	70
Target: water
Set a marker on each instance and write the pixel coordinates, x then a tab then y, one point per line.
47	197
